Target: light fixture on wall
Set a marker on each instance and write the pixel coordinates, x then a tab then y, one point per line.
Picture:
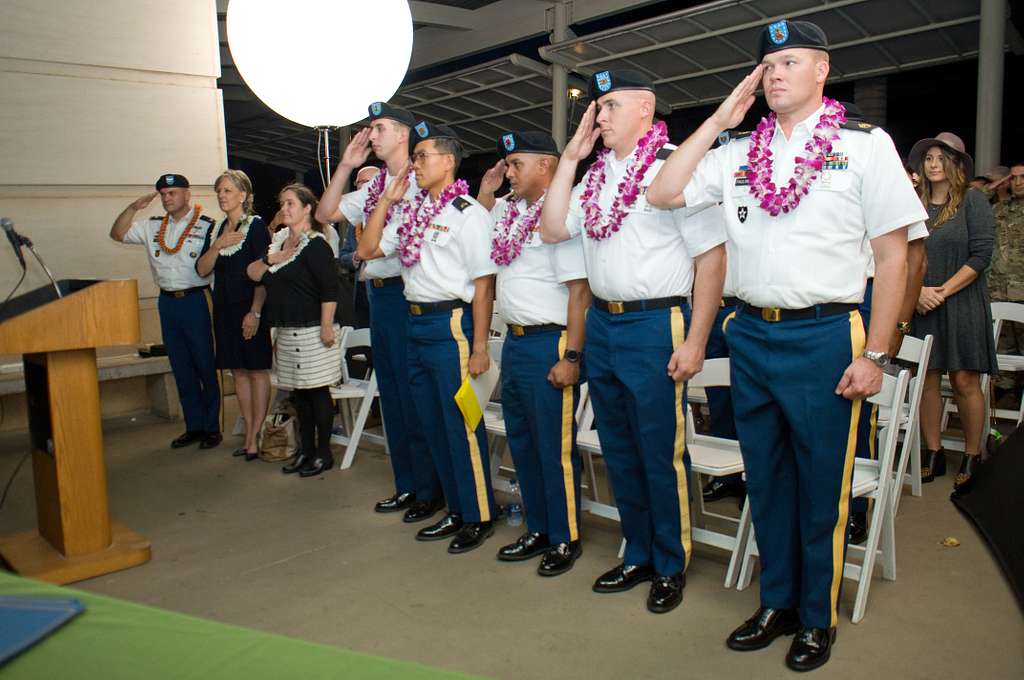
575	93
321	63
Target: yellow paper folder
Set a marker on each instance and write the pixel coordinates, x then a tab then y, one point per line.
468	404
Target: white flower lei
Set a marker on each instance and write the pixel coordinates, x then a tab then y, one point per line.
278	242
243	229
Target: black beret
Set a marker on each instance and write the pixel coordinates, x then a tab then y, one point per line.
783	35
426	130
385	110
603	82
171	181
530	141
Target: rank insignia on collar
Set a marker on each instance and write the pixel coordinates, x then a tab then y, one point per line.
778	32
422	130
375	108
192	255
509	142
604	80
741	213
156	253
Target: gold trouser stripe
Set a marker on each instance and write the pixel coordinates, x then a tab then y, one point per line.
857	341
682	483
220	374
568	408
727	319
474	448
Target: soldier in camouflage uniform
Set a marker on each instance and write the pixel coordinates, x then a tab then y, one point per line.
1006	279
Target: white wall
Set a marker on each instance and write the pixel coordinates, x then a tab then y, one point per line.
99	98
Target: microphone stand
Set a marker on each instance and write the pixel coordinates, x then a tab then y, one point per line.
25	241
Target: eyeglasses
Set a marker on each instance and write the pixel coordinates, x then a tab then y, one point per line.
421	156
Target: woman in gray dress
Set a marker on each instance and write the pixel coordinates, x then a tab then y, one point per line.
954	305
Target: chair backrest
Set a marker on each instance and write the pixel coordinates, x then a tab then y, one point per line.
918	352
715	373
494	346
498	326
1005	311
351	337
584	402
891	396
586	417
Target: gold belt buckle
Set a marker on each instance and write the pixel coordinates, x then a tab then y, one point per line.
179	294
415	310
617	307
517	330
721	303
771	314
378	283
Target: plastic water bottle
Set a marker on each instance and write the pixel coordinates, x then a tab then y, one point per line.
514	509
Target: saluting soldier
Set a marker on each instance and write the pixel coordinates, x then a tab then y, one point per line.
800	195
417	486
442	237
174	241
543	296
642	344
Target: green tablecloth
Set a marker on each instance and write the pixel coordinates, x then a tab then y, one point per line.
115	639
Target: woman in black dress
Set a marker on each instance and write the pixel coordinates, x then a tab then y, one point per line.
301	278
954	305
242	340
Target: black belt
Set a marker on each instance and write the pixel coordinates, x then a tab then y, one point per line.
730	301
183	293
774	314
421	308
619	307
382	283
516	329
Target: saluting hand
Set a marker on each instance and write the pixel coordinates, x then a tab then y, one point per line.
399	185
861	379
731	112
582	142
357	151
142	202
687	361
492	179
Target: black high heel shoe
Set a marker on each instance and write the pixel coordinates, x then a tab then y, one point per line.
964	480
933	464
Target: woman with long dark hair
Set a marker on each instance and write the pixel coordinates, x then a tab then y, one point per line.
300	274
241	338
954	304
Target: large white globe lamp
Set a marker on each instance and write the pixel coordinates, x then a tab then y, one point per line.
321	63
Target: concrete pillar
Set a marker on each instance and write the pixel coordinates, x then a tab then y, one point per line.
989	125
560	77
871	96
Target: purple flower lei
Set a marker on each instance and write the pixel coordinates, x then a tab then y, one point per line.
508	244
627	191
759	160
375	191
415	222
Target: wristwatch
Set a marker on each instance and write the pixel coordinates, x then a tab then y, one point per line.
903	327
879	359
572	356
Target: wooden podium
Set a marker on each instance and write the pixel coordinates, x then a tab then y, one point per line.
58	337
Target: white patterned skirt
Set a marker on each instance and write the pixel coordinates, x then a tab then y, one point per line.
302	362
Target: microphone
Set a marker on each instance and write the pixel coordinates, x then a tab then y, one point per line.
12	236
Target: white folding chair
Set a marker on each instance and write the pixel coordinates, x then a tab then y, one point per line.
871	479
349	392
917	352
1011	363
716	457
498	327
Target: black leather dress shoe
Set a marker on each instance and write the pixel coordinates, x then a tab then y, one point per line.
190	437
666	593
471	536
717	489
238	453
448	526
526	546
858	527
297	462
559	558
400	501
250	457
811	648
211	440
762	628
421	510
316	466
622	578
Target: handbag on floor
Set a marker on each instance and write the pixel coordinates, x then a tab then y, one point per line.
277	438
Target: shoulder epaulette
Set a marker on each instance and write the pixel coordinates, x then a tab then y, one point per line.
663	153
728	135
159	218
461	203
858	125
204	218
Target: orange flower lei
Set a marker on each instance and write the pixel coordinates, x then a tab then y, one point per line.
184	235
